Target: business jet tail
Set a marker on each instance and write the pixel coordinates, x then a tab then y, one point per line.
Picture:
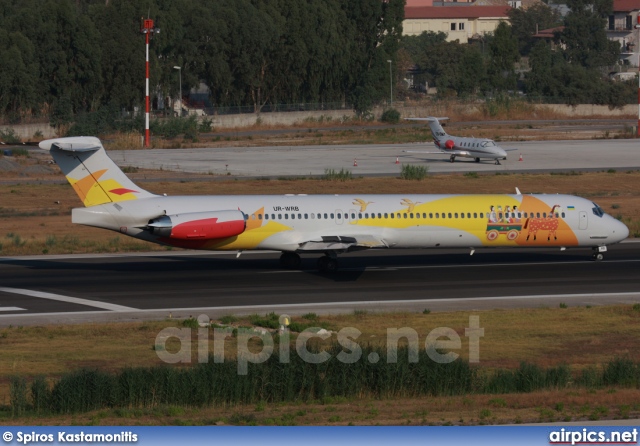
434	125
93	175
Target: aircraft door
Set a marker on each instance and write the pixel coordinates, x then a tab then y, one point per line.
583	220
339	217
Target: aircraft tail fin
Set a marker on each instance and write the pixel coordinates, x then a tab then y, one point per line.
434	125
93	175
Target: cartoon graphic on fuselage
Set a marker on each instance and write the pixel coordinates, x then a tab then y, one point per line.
325	224
457	146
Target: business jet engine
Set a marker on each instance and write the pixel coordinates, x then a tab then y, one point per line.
198	225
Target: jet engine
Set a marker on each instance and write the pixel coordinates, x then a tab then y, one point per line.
449	144
198	225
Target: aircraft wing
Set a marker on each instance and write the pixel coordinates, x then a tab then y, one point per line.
419	151
509	150
342	243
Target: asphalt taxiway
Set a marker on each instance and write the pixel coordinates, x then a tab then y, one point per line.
84	288
380	159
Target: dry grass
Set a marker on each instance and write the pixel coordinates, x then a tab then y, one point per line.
551	336
547	406
32	211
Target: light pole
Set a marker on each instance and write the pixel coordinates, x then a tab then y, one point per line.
390	85
180	92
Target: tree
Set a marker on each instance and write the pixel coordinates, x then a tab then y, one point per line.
527	22
584	36
454	68
503	54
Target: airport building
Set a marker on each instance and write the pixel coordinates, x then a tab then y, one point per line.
461	23
621	28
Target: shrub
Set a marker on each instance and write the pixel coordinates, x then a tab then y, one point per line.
390	116
334	175
411	172
9	136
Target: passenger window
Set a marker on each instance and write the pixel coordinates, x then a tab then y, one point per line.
411	215
306	216
538	214
468	214
279	216
462	215
286	216
500	215
437	215
359	215
266	216
299	216
373	215
339	216
353	216
319	216
386	215
332	217
392	215
430	214
475	215
404	215
379	215
259	216
449	214
326	216
544	215
563	215
417	215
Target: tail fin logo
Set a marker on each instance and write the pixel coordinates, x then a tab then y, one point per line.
92	191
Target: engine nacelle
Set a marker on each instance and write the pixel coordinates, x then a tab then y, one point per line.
199	225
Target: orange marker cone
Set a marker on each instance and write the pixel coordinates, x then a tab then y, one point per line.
355	162
520	157
397	160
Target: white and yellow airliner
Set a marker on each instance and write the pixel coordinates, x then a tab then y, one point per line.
325	224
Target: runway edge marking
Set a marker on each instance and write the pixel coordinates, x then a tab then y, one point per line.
68	299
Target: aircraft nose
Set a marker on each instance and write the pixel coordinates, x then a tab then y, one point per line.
502	152
620	231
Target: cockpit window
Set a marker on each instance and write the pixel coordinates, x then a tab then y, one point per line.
488	144
597	210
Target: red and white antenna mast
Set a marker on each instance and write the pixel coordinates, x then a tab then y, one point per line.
638	49
147	29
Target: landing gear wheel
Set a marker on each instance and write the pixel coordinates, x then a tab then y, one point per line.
597	256
290	260
452	159
327	264
477	160
497	162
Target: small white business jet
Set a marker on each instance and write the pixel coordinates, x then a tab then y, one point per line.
457	146
325	224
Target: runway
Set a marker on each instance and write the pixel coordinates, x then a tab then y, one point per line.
380	159
84	288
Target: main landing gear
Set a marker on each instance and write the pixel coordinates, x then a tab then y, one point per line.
477	160
290	260
452	159
497	162
326	264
